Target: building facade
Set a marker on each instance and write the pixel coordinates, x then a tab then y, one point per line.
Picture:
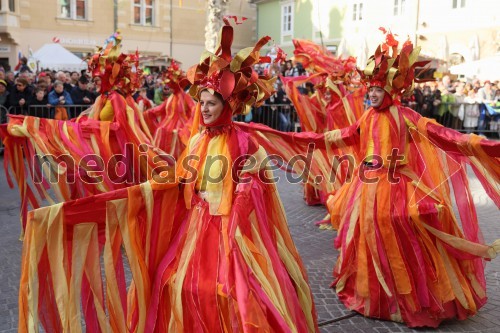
154	27
449	31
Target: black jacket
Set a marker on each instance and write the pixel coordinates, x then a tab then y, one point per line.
78	94
16	96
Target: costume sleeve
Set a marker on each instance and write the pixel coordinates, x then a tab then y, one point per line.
482	155
65	243
74	159
315	157
312	118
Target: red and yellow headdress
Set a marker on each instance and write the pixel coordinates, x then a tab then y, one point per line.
174	77
118	71
393	72
233	78
318	59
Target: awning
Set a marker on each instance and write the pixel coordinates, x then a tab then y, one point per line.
56	57
484	69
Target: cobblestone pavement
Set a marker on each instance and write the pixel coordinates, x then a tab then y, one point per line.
315	247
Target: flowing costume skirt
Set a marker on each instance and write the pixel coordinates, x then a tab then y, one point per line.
403	256
237	273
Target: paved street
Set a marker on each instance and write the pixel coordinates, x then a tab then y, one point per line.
315	246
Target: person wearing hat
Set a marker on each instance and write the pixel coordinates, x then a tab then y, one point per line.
80	94
404	254
208	252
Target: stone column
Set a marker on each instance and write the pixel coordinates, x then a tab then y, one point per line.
216	10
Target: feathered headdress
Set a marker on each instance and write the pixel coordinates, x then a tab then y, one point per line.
174	77
233	78
318	59
393	72
118	71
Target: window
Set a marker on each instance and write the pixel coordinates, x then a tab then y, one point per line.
73	9
399	7
357	11
458	4
287	19
144	12
12	5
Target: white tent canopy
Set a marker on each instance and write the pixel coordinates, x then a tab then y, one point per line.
484	69
55	57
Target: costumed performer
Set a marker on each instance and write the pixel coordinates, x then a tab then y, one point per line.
208	255
404	254
170	122
337	101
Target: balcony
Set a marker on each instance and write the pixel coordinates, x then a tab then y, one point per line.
8	16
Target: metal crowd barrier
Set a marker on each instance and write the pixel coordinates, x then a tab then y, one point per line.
462	117
281	117
43	111
469	118
3	119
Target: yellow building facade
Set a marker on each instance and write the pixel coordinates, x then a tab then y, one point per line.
154	27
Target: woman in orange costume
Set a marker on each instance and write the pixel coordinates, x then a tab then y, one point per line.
170	122
211	254
404	254
331	106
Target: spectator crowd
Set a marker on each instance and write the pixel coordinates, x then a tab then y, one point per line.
465	106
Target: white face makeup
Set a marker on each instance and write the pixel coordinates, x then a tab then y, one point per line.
376	95
211	107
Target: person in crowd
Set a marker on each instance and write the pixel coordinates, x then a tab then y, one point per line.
60	99
4	94
63	78
39	105
149	84
428	102
10	79
45	79
23	66
4	101
291	69
458	107
20	96
80	94
143	102
281	108
162	92
418	97
470	115
484	96
447	85
74	79
444	109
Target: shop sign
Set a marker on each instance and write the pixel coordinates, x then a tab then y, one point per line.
75	41
4	48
